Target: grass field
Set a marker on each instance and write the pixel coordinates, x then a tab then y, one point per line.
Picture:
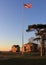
25	59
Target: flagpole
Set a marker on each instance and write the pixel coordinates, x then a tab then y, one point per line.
22	30
26	6
22	36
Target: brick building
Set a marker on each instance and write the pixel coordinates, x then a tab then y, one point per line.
30	47
15	48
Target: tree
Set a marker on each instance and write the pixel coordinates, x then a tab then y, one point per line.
31	39
41	32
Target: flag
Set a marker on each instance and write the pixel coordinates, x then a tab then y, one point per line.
27	5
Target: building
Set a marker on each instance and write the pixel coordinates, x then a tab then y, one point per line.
30	47
15	48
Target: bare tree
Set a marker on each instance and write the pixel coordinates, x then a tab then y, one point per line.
31	39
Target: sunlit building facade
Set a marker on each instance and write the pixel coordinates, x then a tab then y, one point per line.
15	48
30	47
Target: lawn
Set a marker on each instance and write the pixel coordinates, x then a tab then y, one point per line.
25	59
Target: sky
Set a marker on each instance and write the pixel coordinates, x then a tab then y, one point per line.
14	19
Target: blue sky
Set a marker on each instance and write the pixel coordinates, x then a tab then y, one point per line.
13	14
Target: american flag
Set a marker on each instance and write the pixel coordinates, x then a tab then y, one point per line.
27	5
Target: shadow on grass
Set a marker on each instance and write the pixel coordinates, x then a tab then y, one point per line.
23	61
